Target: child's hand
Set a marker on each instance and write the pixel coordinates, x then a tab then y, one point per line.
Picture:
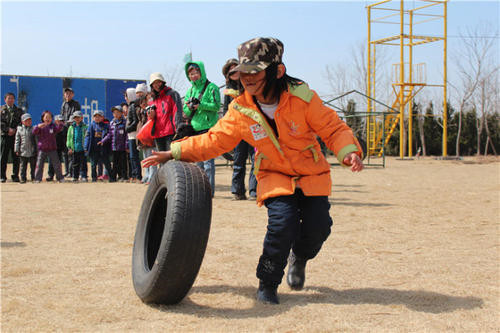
17	153
156	158
99	143
70	151
42	125
354	161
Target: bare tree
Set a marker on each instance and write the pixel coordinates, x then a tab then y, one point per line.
176	78
487	100
477	67
469	68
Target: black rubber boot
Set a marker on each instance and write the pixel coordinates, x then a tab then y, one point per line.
267	293
296	272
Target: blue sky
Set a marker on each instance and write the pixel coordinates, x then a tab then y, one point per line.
130	40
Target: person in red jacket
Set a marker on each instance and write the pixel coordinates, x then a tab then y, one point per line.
166	111
280	116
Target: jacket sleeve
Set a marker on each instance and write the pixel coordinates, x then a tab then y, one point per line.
36	130
4	126
69	138
185	108
107	137
222	137
16	121
227	100
17	142
86	142
178	113
211	98
131	119
334	132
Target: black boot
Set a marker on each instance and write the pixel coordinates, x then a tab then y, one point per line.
267	293
296	272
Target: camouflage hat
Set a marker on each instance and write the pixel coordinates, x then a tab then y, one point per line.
258	53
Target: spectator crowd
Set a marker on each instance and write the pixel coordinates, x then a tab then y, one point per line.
113	147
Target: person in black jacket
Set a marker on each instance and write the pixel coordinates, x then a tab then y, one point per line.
68	107
10	119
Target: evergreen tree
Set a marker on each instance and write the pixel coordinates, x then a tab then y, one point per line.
356	123
433	132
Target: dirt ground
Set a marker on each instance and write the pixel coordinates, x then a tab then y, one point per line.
414	248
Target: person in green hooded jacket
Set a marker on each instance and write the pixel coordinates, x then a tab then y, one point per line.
201	106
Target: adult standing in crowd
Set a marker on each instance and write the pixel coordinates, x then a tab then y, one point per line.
167	111
243	150
68	108
201	105
10	119
132	121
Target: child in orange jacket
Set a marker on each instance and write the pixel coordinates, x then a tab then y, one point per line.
280	116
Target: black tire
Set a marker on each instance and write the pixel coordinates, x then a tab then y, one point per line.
172	233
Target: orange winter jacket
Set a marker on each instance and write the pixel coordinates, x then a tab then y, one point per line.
283	162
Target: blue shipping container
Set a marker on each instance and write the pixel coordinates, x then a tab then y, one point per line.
38	93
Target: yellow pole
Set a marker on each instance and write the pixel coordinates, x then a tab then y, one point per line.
368	85
445	102
401	82
410	105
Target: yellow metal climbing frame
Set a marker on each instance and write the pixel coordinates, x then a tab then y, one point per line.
409	78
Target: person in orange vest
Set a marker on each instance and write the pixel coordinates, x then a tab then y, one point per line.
280	116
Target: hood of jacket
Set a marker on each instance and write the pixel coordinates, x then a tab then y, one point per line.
201	81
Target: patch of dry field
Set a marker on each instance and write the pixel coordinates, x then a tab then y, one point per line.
415	247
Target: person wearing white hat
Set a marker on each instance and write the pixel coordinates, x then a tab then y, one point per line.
166	111
141	90
135	169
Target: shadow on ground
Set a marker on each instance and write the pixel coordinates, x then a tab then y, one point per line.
345	202
12	244
420	301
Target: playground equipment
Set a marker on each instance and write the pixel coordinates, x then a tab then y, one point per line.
409	77
375	116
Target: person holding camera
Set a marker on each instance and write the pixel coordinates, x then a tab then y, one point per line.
165	110
201	107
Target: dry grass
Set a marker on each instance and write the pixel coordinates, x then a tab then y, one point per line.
415	248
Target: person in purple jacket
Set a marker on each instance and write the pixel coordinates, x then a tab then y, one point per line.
119	144
47	146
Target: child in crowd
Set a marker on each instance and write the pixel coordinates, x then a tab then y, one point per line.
47	146
97	150
76	144
146	150
119	144
25	147
61	147
280	116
